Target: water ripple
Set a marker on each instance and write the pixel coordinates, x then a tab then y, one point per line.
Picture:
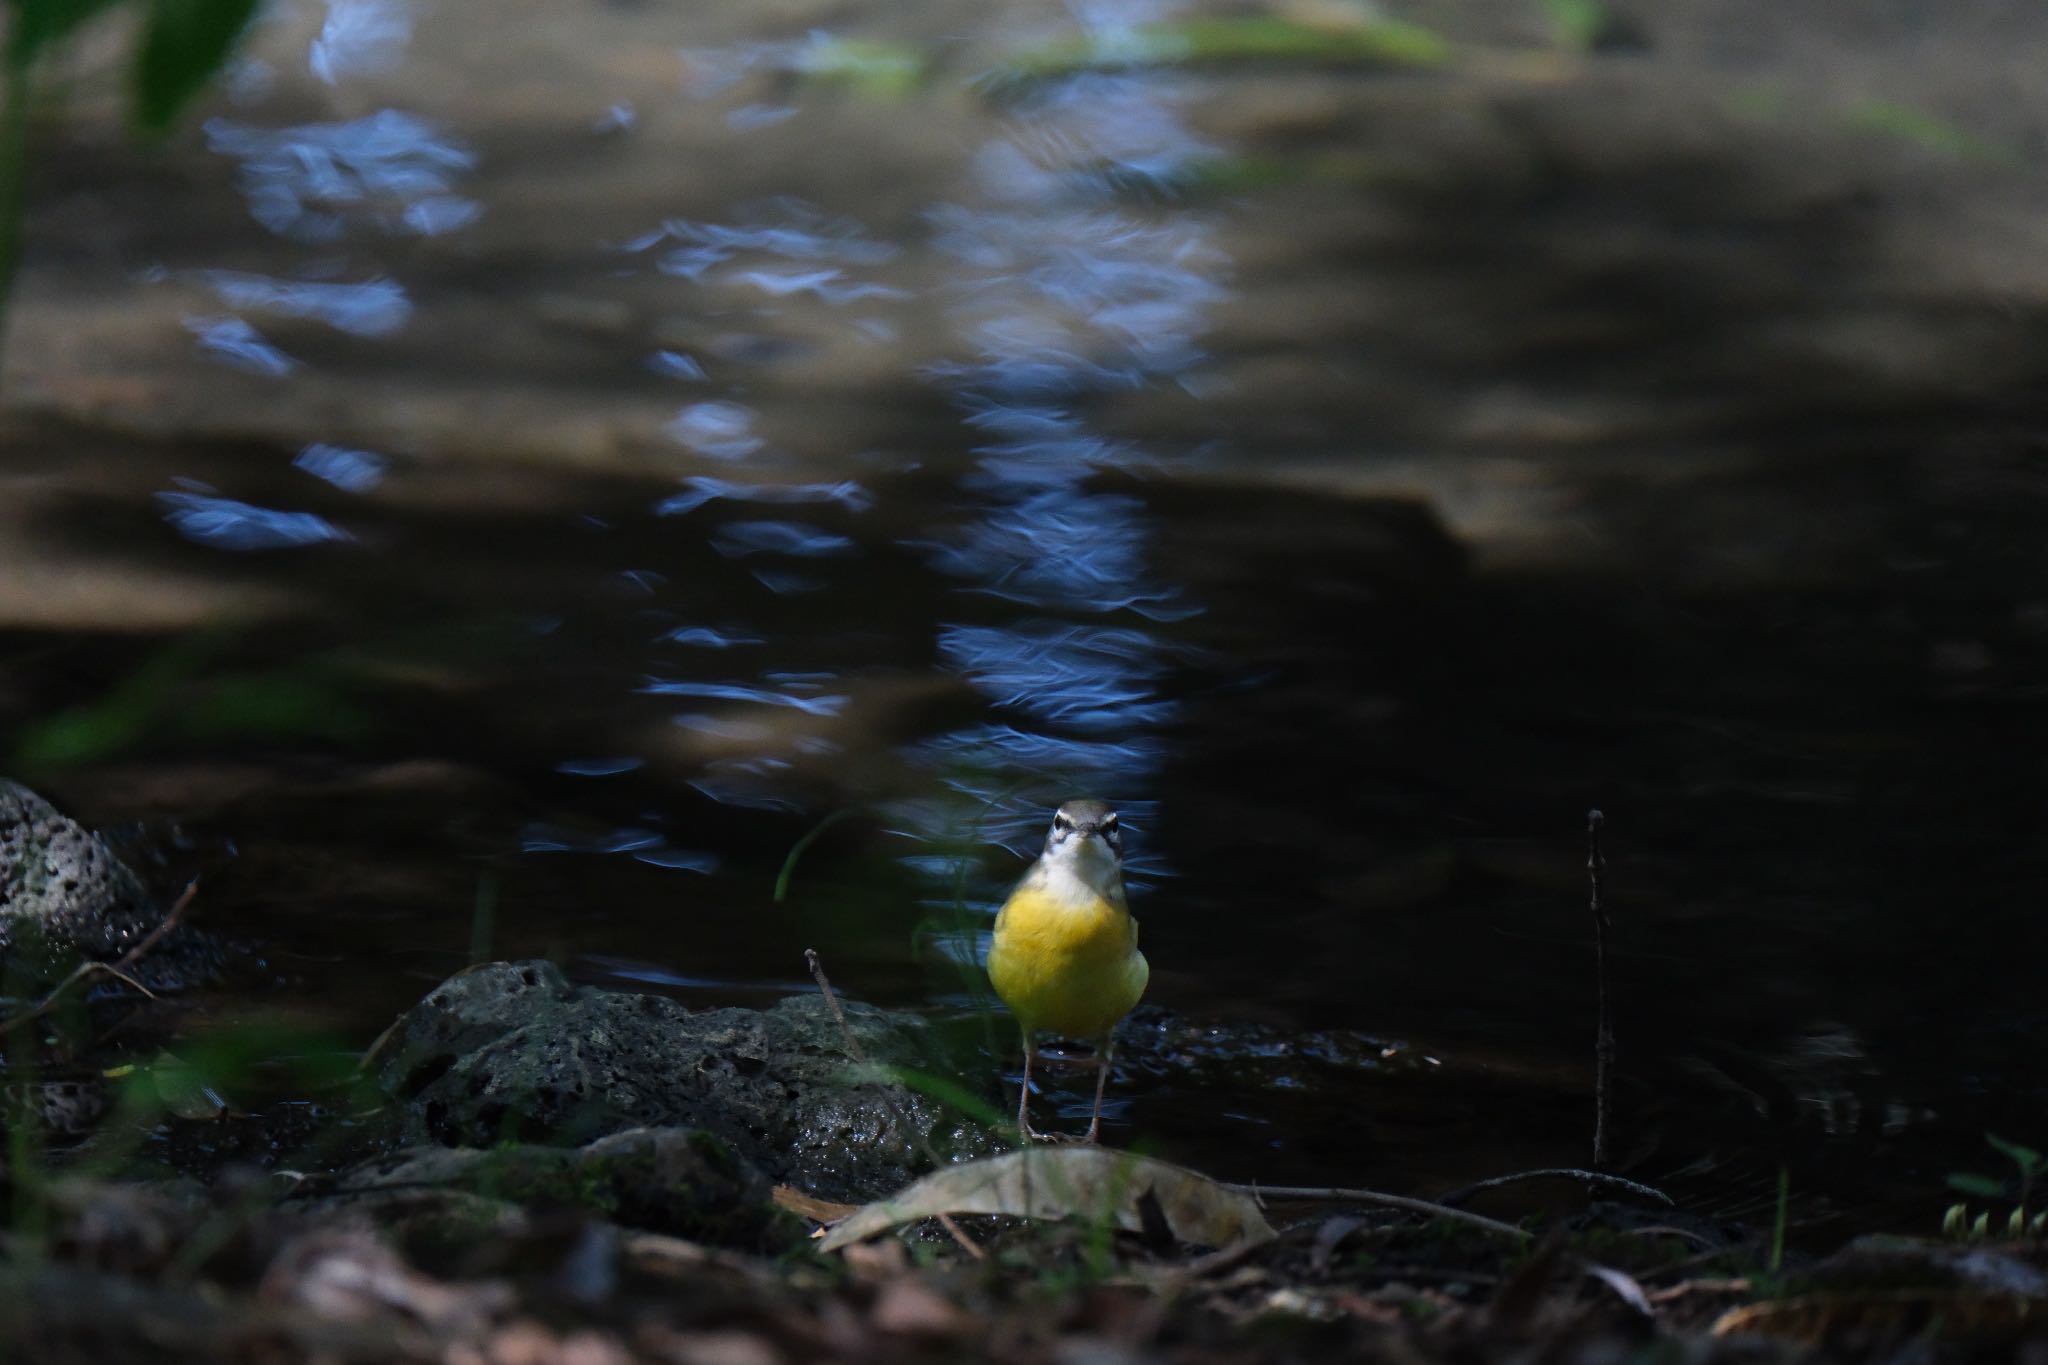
352	471
1095	678
702	489
373	308
360	38
226	524
390	169
235	343
724	431
741	538
706	637
684	687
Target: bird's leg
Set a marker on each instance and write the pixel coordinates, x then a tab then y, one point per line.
1024	1096
1102	1056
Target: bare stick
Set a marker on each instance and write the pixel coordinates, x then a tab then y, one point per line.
1464	1192
1392	1201
967	1244
832	1003
156	935
117	969
1603	1046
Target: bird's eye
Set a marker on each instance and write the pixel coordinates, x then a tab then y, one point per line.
1109	825
1062	822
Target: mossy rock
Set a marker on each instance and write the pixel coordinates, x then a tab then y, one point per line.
511	1051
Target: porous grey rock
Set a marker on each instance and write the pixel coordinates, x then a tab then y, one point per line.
61	885
513	1051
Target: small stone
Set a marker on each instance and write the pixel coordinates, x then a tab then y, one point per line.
62	878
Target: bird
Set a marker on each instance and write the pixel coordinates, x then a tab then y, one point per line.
1065	956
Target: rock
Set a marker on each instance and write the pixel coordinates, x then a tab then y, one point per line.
60	883
512	1051
680	1181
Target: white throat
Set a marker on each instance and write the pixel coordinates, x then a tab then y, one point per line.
1082	870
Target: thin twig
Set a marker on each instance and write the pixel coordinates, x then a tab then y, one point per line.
1603	1046
967	1244
1464	1192
156	935
817	966
117	969
130	982
1392	1201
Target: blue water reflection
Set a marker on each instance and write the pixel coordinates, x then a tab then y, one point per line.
741	692
390	171
360	38
701	489
737	539
793	232
240	346
373	308
352	471
226	524
1091	678
724	431
1066	292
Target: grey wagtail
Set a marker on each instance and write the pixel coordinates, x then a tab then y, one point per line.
1065	956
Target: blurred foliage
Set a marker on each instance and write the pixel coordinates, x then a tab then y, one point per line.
173	696
2029	1165
180	46
1577	24
184	43
878	70
1925	130
1197	42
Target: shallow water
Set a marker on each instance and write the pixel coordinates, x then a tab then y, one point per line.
498	499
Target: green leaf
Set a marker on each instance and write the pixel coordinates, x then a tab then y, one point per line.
2026	1158
184	44
39	24
1981	1185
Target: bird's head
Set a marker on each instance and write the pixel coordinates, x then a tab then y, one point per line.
1085	836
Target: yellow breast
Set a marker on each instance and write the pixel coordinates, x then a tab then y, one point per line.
1065	959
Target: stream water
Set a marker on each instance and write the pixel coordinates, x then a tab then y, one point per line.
499	493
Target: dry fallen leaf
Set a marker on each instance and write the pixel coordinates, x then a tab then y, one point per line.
810	1206
1069	1182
